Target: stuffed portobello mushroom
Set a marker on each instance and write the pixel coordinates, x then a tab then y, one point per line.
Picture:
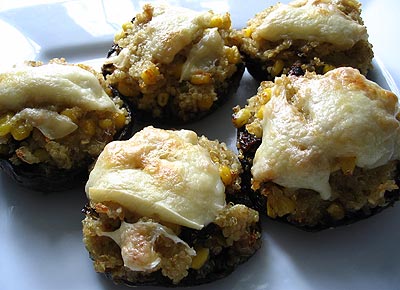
55	119
320	150
160	210
174	64
306	35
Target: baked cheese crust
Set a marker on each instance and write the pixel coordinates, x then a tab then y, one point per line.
160	172
320	150
174	63
312	122
161	213
306	35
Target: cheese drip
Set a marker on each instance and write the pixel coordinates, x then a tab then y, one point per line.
51	124
143	235
313	121
204	54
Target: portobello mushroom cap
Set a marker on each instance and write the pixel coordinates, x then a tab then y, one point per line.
320	151
160	211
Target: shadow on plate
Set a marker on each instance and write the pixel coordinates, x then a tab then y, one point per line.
338	258
50	214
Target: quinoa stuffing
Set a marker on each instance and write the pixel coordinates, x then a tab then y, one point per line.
161	210
306	35
308	171
174	64
55	118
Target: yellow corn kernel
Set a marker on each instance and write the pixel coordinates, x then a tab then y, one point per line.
205	103
127	89
260	113
150	75
247	32
119	119
73	113
347	164
21	130
106	124
200	79
226	21
216	21
241	117
200	259
162	99
255	129
5	124
327	67
277	68
119	35
88	127
336	211
127	25
279	206
225	174
266	95
232	54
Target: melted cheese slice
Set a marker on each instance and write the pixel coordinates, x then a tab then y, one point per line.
312	121
33	93
160	173
51	124
143	235
313	21
204	54
63	85
170	30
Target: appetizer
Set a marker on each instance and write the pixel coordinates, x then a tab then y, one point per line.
174	64
160	210
321	150
310	35
55	119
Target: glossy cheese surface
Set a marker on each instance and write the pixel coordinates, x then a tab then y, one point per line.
62	85
38	94
171	30
160	173
311	20
312	122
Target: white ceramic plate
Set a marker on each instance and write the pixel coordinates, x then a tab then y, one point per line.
40	235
